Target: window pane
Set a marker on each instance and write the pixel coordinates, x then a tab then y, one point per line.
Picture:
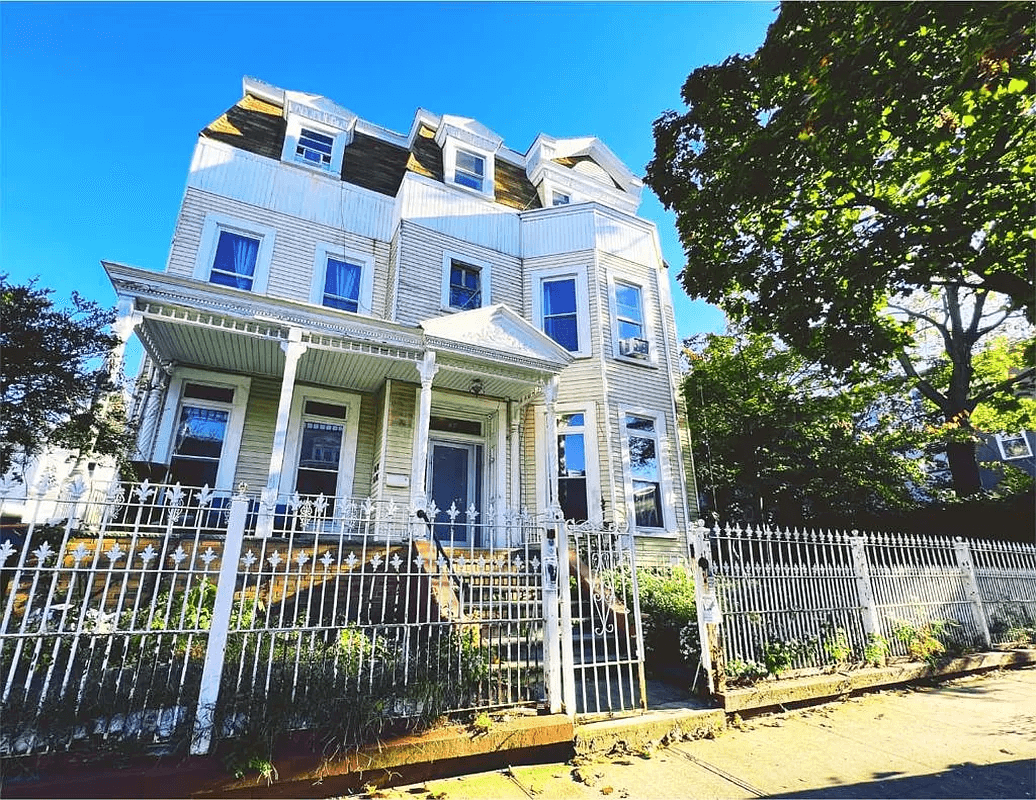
321	446
570	420
630	330
469	162
572	498
647	504
201	432
571	455
235	255
193	471
643	459
560	199
639	423
563	330
324	409
342	285
317	140
559	297
627	301
199	391
315	482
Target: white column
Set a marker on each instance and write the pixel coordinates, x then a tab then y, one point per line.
515	478
550	450
426	368
293	350
126	321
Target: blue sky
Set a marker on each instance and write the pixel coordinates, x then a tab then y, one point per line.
100	104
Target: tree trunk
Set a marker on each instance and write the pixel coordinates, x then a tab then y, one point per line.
963	467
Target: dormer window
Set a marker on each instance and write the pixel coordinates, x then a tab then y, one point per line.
314	148
560	198
469	170
317	145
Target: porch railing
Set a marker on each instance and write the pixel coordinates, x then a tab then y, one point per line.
155	614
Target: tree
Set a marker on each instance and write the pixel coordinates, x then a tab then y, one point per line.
864	153
55	388
779	438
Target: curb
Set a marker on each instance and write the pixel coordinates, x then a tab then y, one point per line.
642	733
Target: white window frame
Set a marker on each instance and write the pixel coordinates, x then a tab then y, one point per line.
485	279
217	223
324	251
668	499
541	276
590	444
351	423
449	163
235	424
648	333
291	140
1000	437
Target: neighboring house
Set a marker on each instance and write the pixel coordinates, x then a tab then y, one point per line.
1013	449
417	317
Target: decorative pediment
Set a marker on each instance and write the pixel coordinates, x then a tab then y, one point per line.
468	131
497	328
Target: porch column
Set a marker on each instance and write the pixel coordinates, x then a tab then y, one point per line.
293	350
126	321
515	499
427	369
550	396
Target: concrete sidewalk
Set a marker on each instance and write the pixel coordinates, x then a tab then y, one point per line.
969	737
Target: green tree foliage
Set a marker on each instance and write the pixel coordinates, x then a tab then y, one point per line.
778	438
55	388
865	152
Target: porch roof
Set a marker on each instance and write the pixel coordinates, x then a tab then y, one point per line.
194	323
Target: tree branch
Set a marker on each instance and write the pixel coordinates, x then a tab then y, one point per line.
923	386
1004	385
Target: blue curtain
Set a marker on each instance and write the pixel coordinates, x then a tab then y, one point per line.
342	285
234	264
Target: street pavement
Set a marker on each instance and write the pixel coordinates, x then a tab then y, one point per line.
973	737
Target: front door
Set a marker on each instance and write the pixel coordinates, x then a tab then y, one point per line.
454	469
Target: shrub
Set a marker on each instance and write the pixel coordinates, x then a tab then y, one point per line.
669	616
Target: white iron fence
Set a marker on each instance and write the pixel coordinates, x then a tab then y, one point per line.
796	599
172	618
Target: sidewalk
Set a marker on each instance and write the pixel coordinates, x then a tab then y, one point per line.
969	737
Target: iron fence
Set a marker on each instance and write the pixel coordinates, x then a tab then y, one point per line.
809	599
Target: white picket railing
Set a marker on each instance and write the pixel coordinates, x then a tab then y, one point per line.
165	615
827	597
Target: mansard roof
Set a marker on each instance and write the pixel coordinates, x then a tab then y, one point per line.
378	159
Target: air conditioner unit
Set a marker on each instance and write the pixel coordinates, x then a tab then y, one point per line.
633	347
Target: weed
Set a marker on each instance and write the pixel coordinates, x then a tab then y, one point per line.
837	646
482	724
876	651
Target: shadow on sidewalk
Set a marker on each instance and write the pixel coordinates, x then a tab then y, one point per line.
1010	779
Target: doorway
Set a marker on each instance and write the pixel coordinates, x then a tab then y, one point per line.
455	478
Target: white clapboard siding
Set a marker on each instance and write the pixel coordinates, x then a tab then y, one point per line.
366	442
285	188
294	250
558	231
459	214
420	268
253	461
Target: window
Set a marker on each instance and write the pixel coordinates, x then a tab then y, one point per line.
321	444
560	198
465	286
561	307
469	170
314	148
466	283
234	253
320	449
342	280
234	263
572	495
200	430
560	319
466	164
342	285
628	311
316	140
1013	445
645	473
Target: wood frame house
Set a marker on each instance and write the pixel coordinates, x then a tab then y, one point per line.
429	317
